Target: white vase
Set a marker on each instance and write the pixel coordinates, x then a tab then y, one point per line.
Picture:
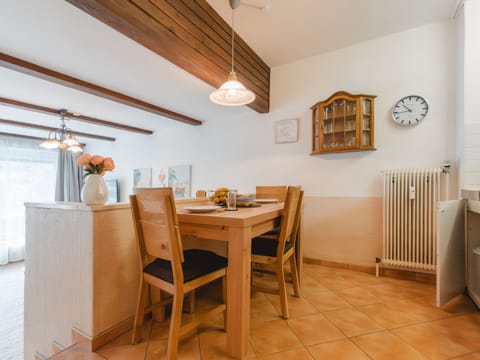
95	191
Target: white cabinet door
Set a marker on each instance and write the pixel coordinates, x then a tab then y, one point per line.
450	250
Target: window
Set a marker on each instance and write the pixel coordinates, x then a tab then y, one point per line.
27	174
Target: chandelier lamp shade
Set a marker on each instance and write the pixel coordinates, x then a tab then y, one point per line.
232	92
62	138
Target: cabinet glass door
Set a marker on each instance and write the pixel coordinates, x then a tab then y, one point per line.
366	122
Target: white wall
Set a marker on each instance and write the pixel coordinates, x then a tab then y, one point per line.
240	152
471	84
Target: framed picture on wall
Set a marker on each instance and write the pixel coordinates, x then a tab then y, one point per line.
142	177
286	131
160	177
179	178
113	193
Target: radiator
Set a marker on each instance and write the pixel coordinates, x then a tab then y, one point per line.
409	216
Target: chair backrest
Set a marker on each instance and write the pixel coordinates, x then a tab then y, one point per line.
288	218
298	218
156	226
271	192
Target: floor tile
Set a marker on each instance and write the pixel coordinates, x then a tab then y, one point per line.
75	352
213	345
352	322
261	309
338	350
430	341
326	300
314	329
388	315
273	336
464	329
358	296
473	356
300	354
188	348
297	306
384	345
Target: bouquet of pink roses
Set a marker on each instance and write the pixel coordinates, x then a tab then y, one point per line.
95	164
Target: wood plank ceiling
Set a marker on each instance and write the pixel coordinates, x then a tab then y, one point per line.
190	34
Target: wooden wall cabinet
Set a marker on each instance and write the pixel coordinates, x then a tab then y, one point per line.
343	122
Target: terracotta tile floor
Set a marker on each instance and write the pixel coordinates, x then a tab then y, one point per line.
341	315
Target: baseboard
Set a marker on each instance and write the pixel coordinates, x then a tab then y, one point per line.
339	265
57	347
383	271
101	339
39	356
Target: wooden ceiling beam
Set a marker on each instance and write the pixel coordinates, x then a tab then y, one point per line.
190	34
43	73
46	110
51	129
21	136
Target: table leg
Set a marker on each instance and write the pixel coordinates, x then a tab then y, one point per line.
238	291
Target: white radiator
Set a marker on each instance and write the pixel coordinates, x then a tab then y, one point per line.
409	216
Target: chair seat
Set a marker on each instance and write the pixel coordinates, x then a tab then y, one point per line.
197	263
267	247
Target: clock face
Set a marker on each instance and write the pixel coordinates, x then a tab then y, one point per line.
410	110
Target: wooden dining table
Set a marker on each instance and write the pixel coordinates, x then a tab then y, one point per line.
237	228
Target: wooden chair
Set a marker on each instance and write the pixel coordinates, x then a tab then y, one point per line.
166	266
271	192
275	252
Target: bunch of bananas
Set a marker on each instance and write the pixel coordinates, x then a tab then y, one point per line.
220	196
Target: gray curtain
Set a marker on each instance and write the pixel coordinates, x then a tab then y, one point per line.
69	177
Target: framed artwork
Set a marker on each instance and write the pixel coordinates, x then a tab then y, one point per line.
179	178
286	131
142	177
160	177
113	193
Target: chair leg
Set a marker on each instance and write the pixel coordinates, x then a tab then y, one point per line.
282	289
191	302
140	312
294	271
175	324
224	299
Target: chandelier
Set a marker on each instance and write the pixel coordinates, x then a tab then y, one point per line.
232	92
62	138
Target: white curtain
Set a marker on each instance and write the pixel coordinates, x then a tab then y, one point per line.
27	174
69	177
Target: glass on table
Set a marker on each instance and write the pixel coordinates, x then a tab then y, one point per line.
232	200
210	195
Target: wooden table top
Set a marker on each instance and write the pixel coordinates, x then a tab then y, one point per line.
244	216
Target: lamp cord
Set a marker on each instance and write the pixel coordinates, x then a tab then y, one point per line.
233	35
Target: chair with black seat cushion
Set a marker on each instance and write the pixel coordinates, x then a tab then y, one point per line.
275	252
166	266
278	192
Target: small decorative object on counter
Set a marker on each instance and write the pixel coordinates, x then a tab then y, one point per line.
95	190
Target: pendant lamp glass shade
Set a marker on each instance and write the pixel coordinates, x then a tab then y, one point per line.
232	92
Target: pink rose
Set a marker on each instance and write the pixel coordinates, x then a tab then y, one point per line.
96	159
84	159
108	164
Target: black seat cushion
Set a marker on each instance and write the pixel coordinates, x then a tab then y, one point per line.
267	247
196	264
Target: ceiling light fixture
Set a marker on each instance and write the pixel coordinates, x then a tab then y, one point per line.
62	138
232	92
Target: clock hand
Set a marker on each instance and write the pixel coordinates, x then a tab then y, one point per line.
410	110
400	112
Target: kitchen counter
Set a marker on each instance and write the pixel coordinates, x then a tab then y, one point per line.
81	275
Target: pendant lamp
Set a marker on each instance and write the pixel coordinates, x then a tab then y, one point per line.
232	92
62	138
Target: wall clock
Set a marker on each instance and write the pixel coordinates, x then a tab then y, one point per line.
410	110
